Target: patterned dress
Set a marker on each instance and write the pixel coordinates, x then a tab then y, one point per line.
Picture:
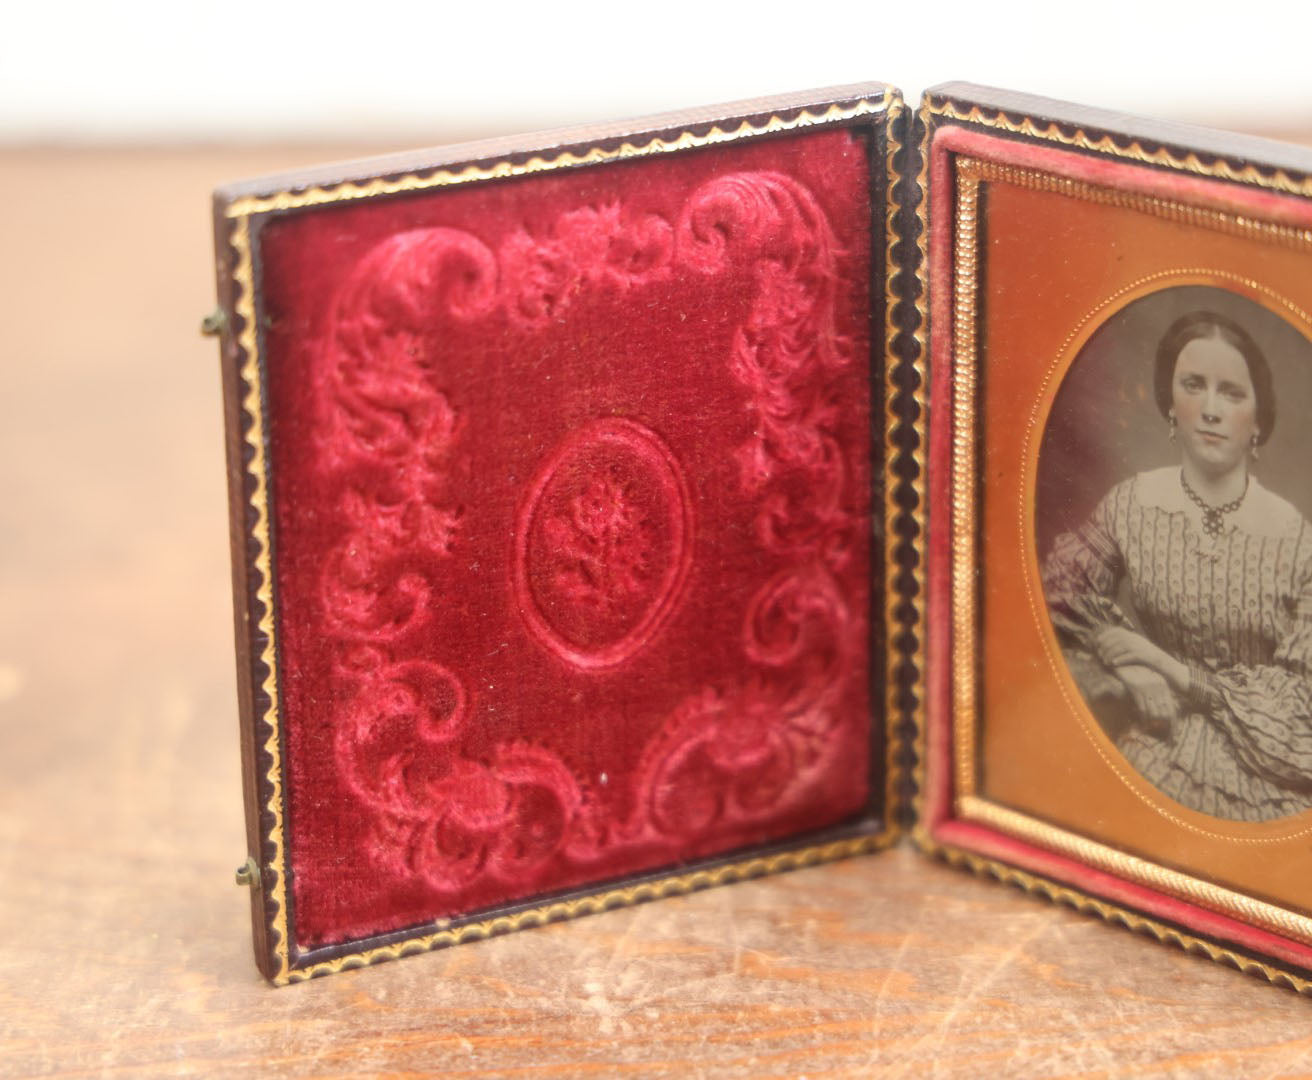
1236	609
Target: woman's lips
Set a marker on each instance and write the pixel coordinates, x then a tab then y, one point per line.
1212	436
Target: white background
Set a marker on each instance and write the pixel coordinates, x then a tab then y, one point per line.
143	71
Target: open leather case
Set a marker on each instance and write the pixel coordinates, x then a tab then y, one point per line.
637	508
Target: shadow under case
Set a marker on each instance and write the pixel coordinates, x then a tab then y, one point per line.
636	508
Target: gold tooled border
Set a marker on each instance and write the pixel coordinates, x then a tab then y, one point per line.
968	806
274	874
965	472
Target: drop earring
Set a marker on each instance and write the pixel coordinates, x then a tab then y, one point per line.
1170	423
1252	446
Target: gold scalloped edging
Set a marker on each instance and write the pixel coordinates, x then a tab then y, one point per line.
274	871
1205	894
1112	913
414	181
257	469
892	419
1187	161
918	482
680	885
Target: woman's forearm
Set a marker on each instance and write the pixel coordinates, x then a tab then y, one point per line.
1174	672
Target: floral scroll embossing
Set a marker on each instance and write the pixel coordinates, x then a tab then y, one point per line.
603	544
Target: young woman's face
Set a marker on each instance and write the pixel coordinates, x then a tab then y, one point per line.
1214	404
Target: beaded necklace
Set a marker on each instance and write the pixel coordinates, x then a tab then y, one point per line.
1213	515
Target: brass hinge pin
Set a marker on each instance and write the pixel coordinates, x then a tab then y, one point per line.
214	323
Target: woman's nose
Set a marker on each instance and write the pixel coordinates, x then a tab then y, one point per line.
1211	408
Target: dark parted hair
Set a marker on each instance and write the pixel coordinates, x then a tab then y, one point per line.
1208	324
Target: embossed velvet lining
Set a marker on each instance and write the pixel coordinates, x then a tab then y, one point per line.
571	485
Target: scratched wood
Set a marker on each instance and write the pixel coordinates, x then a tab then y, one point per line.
126	945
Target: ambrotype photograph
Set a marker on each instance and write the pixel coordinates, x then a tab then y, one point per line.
1174	493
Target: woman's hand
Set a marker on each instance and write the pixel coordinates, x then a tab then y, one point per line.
1118	647
1151	693
1115	645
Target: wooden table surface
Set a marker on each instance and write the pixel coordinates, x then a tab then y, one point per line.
125	942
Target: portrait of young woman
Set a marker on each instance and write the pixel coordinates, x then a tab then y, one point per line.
1172	520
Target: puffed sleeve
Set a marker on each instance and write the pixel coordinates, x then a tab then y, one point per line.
1082	572
1267	708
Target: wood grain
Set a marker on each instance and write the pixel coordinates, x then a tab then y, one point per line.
125	945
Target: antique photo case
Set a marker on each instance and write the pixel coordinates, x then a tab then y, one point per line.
558	474
637	508
1119	558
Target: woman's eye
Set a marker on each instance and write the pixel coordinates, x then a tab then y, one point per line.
1192	384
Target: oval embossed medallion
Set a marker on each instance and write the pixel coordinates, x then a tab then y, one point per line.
603	544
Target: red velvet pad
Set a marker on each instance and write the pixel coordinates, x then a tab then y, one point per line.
571	496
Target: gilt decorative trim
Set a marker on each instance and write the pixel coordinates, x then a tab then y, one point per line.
422	181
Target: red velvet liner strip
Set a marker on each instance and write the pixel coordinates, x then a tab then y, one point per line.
938	614
939	818
570	489
996	845
1142	180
